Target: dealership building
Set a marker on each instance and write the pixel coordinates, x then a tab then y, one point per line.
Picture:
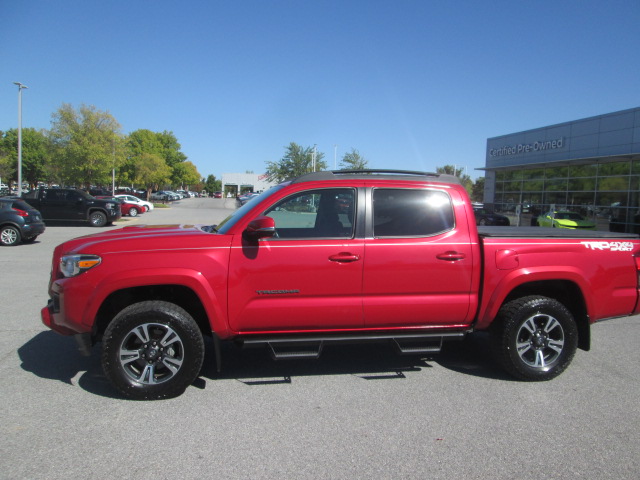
590	166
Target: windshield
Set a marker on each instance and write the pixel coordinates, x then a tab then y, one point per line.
231	220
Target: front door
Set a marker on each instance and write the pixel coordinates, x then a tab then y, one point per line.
308	276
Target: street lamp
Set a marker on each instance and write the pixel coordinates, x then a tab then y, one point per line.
20	88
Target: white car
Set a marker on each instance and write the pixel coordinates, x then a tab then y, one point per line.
136	200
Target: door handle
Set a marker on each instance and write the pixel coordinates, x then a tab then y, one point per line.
451	256
344	257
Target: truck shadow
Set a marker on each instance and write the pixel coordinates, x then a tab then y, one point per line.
374	361
54	357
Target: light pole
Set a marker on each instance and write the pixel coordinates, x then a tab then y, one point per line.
20	88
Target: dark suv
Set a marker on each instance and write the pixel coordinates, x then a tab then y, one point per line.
18	222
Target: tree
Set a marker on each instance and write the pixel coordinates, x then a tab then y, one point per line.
164	145
353	161
295	162
151	171
35	154
212	184
87	144
185	173
170	148
477	192
465	179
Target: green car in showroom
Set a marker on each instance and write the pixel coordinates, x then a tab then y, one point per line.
565	219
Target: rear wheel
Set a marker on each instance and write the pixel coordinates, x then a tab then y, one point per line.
535	338
9	236
152	350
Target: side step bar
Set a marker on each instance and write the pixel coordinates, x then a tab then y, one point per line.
311	347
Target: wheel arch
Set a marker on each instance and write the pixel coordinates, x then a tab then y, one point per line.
566	292
180	295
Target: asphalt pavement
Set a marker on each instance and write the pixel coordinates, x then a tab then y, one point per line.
359	412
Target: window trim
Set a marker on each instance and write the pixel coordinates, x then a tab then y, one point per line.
370	233
357	214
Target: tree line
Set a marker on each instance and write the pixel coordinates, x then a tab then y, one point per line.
85	145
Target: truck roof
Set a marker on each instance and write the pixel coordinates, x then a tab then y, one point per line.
408	175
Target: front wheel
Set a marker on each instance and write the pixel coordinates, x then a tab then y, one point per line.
152	350
133	212
535	338
97	219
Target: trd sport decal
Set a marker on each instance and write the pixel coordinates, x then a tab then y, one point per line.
612	246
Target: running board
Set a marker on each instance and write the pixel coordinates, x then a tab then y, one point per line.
310	347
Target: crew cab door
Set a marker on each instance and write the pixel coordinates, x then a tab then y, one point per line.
308	276
62	204
419	262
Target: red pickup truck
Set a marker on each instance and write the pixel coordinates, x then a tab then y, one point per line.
337	257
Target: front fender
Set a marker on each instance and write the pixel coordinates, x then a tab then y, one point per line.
212	300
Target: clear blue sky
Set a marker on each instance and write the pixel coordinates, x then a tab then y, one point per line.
410	84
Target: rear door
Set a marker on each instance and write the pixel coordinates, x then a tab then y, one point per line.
419	262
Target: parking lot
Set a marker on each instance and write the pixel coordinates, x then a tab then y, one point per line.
359	412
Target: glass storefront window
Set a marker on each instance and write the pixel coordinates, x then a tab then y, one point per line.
582	184
533	173
577	171
617	168
533	186
556	185
613	184
557	172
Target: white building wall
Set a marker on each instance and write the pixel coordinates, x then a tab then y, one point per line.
245	181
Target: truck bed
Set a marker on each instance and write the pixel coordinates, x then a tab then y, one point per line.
547	232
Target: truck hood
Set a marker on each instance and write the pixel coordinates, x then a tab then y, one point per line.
143	237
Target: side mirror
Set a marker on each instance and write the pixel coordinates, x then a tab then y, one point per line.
261	227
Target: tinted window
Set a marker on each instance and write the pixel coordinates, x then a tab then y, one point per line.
411	213
315	213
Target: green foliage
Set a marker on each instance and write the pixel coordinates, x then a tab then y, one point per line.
465	179
36	150
353	161
212	184
295	162
477	191
86	143
185	174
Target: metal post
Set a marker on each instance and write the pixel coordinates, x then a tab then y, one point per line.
20	88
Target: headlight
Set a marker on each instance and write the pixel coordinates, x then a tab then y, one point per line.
72	265
111	206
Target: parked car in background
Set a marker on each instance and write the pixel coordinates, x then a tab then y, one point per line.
487	217
127	208
217	194
245	197
565	219
19	222
165	196
137	201
72	204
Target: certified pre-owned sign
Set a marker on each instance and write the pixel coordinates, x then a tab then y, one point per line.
527	147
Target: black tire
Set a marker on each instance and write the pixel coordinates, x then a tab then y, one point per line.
9	236
152	350
133	212
97	218
534	338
